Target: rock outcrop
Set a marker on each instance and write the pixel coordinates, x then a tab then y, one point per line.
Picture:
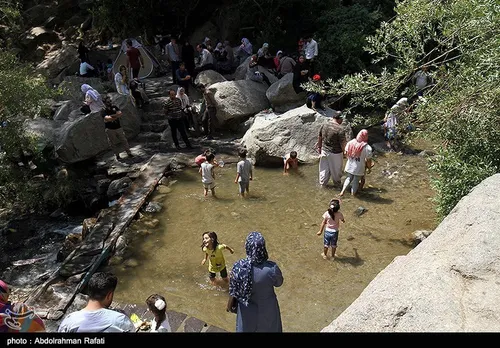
283	97
450	282
271	136
84	137
208	77
239	99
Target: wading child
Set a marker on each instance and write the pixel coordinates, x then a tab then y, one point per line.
244	173
330	224
213	253
290	161
207	174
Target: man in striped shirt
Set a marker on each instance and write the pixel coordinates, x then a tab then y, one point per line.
173	110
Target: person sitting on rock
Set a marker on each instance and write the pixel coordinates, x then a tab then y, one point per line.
253	72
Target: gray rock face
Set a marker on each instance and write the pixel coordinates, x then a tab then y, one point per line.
71	87
58	60
208	77
84	137
282	96
239	99
450	282
64	111
271	136
241	70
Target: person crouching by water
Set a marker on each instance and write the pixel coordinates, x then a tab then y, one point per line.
114	131
213	253
93	100
251	289
158	306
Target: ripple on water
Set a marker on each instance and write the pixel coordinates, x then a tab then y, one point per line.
287	210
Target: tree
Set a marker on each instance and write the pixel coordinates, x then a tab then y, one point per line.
458	41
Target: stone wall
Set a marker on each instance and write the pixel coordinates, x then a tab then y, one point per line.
449	283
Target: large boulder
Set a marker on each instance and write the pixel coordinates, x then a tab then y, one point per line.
71	87
84	137
239	99
241	70
271	136
58	60
64	111
208	77
450	282
38	36
44	130
283	97
38	14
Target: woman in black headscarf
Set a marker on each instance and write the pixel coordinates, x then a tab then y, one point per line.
251	289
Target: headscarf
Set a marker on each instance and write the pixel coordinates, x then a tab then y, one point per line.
87	89
278	53
219	47
246	45
355	146
241	280
400	105
183	98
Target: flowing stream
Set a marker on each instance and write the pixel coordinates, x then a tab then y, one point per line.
396	202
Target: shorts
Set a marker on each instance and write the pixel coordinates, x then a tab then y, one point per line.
244	186
330	238
210	185
390	133
223	273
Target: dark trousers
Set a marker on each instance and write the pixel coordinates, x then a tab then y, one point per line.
174	65
178	125
135	72
208	119
311	67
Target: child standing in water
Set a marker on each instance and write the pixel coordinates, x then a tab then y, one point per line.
244	173
213	252
207	174
330	224
290	161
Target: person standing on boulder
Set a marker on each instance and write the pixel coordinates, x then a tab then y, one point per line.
114	131
209	113
134	59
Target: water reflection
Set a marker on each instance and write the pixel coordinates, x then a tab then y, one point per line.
287	210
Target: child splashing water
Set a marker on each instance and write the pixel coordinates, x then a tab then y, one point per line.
330	224
213	253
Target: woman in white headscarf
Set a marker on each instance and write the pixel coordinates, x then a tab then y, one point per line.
93	100
185	107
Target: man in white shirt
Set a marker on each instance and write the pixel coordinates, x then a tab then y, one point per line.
96	317
86	70
311	53
174	57
206	59
421	80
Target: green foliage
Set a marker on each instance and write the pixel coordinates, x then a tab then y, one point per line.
22	96
342	36
459	41
10	22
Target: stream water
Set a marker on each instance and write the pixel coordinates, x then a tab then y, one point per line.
287	210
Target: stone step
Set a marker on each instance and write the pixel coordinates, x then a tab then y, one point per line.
147	117
155	127
148	137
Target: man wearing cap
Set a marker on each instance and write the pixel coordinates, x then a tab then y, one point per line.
333	136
